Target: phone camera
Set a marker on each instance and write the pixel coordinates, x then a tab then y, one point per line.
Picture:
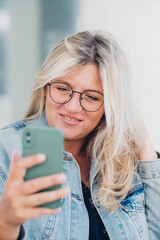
28	137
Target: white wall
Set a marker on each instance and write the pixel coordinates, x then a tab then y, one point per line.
22	65
31	28
136	26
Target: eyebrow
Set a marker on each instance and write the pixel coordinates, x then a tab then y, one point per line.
63	81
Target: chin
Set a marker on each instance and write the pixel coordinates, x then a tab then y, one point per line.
69	137
72	137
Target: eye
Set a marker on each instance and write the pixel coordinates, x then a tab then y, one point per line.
90	97
63	89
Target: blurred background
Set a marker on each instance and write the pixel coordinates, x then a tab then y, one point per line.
29	29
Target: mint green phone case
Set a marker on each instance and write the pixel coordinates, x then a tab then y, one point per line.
50	142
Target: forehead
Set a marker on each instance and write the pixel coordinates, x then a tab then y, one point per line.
84	77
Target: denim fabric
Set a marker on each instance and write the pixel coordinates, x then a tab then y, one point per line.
137	218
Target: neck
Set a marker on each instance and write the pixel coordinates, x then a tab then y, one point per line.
74	147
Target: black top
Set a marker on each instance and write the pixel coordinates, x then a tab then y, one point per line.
97	230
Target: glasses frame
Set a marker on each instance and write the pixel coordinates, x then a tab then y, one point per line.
80	98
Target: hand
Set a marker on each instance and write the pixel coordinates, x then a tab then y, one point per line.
20	199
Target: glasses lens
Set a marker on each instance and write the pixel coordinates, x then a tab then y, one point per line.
91	100
60	92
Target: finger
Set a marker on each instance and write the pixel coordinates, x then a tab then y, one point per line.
26	213
32	160
15	157
37	184
18	169
44	197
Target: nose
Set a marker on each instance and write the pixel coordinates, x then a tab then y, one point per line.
74	104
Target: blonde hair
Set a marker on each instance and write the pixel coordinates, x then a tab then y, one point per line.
115	143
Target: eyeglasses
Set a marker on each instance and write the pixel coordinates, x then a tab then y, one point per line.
61	93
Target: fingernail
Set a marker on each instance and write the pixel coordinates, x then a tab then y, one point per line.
41	157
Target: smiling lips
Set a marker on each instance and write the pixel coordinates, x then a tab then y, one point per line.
70	118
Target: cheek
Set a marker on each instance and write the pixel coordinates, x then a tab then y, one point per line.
49	104
50	110
95	118
99	114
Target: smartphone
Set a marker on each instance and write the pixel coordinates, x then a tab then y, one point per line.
49	141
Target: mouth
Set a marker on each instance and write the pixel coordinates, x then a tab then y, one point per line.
70	119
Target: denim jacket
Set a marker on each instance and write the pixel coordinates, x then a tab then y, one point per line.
137	218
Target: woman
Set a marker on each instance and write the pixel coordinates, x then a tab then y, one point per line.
111	175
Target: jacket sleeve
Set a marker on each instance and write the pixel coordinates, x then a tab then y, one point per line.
4	170
149	172
4	167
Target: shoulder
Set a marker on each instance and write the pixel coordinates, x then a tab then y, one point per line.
11	131
10	139
12	128
15	129
11	135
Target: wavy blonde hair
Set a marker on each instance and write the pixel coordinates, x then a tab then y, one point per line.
115	143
